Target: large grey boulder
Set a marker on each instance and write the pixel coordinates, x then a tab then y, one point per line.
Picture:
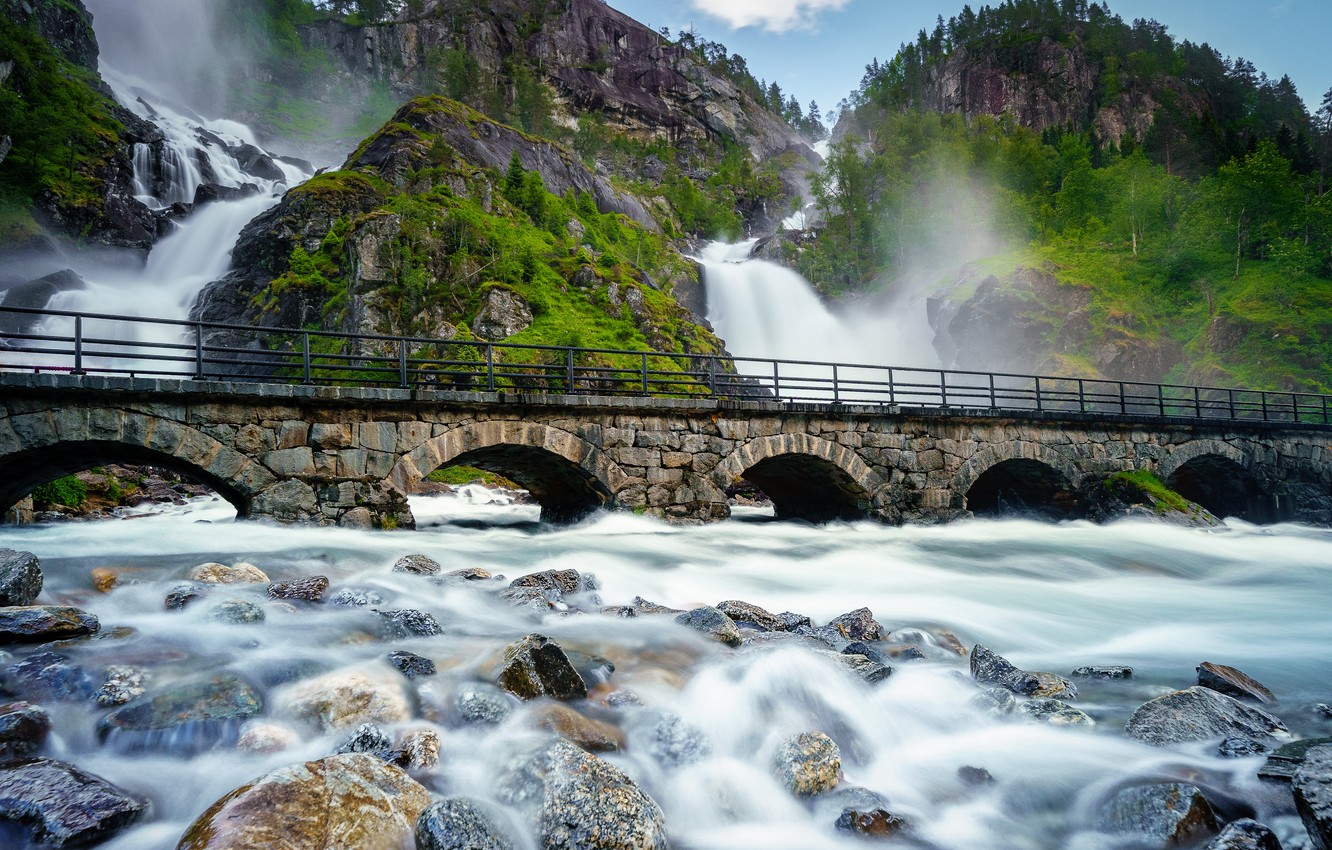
1245	834
63	806
503	313
1201	714
20	577
990	668
536	666
808	764
458	823
1169	814
39	623
1312	787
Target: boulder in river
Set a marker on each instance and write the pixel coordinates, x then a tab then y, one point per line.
1312	786
410	664
536	666
750	616
1111	672
408	623
238	611
1282	764
990	668
808	764
858	625
870	823
595	736
240	573
1170	814
43	623
482	703
336	803
712	623
64	806
1245	834
676	743
1200	714
371	740
211	709
577	801
417	564
1054	712
860	666
20	577
49	677
457	823
343	699
1232	683
23	729
311	589
550	587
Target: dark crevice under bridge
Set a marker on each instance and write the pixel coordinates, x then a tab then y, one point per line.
315	427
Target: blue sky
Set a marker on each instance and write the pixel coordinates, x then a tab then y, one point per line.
818	49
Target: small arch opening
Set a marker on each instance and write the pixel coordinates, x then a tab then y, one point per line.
1024	488
80	478
565	491
1225	488
809	488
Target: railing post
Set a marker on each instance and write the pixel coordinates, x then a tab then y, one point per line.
776	380
1123	408
1324	398
994	400
1197	404
1082	397
305	358
943	388
645	365
1230	402
892	388
490	368
1294	408
1039	406
569	370
837	394
198	352
402	363
1263	398
78	346
1160	401
712	376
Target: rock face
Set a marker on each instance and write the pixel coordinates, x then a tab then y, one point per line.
64	806
1312	786
536	666
503	314
1199	714
988	668
577	801
336	803
809	764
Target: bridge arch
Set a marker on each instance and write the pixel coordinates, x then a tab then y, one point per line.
1021	477
1220	477
566	474
39	447
806	477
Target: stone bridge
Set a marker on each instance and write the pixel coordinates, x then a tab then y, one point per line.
329	455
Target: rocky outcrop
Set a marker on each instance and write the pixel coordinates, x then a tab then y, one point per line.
503	314
1201	714
67	26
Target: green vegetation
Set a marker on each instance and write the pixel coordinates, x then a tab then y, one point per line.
63	129
1213	232
1141	484
68	492
457	476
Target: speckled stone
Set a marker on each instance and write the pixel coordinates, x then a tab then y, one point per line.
808	764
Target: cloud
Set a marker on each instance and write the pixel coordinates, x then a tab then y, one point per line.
772	15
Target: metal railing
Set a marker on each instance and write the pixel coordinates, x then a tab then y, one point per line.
89	343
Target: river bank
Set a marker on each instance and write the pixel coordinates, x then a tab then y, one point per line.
1047	597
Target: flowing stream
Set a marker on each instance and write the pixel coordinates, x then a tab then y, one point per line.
1049	597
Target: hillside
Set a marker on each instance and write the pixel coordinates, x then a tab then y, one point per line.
1126	205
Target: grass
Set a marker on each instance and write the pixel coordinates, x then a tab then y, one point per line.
457	476
1163	498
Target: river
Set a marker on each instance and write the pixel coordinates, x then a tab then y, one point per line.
1048	596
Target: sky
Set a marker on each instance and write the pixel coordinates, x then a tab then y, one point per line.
818	49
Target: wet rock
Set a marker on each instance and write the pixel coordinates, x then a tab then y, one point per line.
341	802
471	574
595	669
43	623
457	823
865	669
791	622
23	729
20	577
675	743
261	737
408	623
1245	834
49	677
357	597
183	595
482	703
536	666
419	750
549	585
1312	787
644	606
1169	814
1238	747
1232	683
622	699
237	611
873	653
1054	713
342	700
907	652
595	736
107	579
577	801
211	709
240	573
975	777
829	805
369	739
858	625
411	665
712	623
874	823
1324	710
63	806
1198	714
989	668
998	702
748	616
808	764
1103	673
417	565
1282	764
310	589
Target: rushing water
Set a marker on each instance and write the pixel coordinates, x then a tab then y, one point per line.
1049	597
